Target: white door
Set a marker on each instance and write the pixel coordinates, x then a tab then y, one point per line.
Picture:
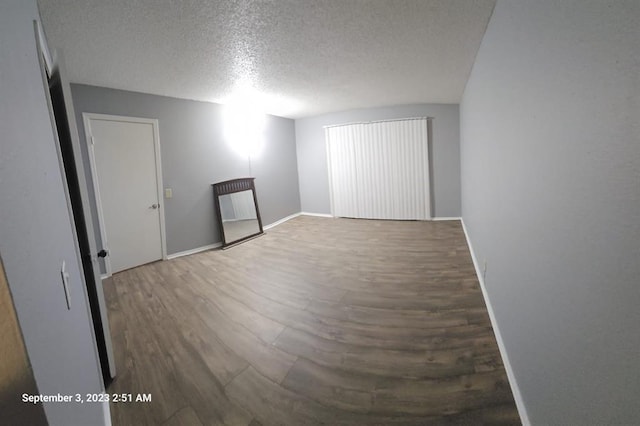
126	166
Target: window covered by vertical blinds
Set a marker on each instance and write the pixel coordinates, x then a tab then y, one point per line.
379	170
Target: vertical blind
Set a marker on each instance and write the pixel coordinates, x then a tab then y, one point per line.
243	205
379	170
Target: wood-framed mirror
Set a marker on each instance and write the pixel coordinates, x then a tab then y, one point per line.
237	209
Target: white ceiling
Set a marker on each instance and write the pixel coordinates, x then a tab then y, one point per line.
293	58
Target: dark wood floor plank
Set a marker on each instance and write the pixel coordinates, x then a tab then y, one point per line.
275	405
454	395
222	362
411	300
268	359
263	327
357	333
267	401
414	364
205	393
150	366
320	321
330	387
391	317
184	417
176	375
387	396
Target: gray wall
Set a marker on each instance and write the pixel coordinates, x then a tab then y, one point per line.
195	155
550	154
36	233
312	155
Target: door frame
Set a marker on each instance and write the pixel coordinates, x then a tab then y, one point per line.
72	172
78	202
87	117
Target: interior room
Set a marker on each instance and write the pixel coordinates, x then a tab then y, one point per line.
319	212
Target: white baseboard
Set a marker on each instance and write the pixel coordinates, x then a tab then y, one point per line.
517	396
316	214
193	251
216	245
328	215
278	222
107	413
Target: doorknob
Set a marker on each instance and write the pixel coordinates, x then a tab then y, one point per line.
154	206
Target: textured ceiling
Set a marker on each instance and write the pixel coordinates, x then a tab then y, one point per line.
293	58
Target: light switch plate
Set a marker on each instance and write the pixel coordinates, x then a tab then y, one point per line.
168	193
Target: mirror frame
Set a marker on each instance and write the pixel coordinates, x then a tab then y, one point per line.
230	187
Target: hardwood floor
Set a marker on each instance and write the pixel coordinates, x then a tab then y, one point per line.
320	321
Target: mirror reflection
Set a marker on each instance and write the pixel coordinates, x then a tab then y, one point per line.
239	217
